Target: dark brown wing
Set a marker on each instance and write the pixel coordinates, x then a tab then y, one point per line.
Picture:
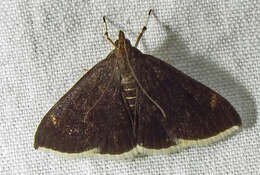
90	117
193	111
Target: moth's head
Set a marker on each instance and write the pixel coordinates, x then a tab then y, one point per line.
122	44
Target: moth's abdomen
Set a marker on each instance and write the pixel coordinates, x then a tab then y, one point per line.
129	91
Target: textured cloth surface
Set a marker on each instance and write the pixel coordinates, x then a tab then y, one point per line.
46	45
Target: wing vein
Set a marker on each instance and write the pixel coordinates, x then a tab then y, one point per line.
101	96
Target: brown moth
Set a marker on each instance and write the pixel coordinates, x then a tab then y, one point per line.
132	104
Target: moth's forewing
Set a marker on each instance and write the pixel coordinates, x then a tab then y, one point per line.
90	116
194	112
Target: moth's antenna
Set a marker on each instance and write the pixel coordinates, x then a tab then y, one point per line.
144	28
141	87
106	33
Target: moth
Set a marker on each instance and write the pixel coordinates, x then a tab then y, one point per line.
132	104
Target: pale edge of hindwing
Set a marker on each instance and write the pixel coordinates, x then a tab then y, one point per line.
142	151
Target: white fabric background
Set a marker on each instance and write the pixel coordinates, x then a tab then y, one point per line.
46	45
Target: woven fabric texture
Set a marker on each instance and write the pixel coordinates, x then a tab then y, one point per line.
45	45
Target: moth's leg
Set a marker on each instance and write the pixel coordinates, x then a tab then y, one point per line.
106	33
167	60
144	28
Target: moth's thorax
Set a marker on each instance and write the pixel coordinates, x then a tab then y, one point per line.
123	53
123	45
